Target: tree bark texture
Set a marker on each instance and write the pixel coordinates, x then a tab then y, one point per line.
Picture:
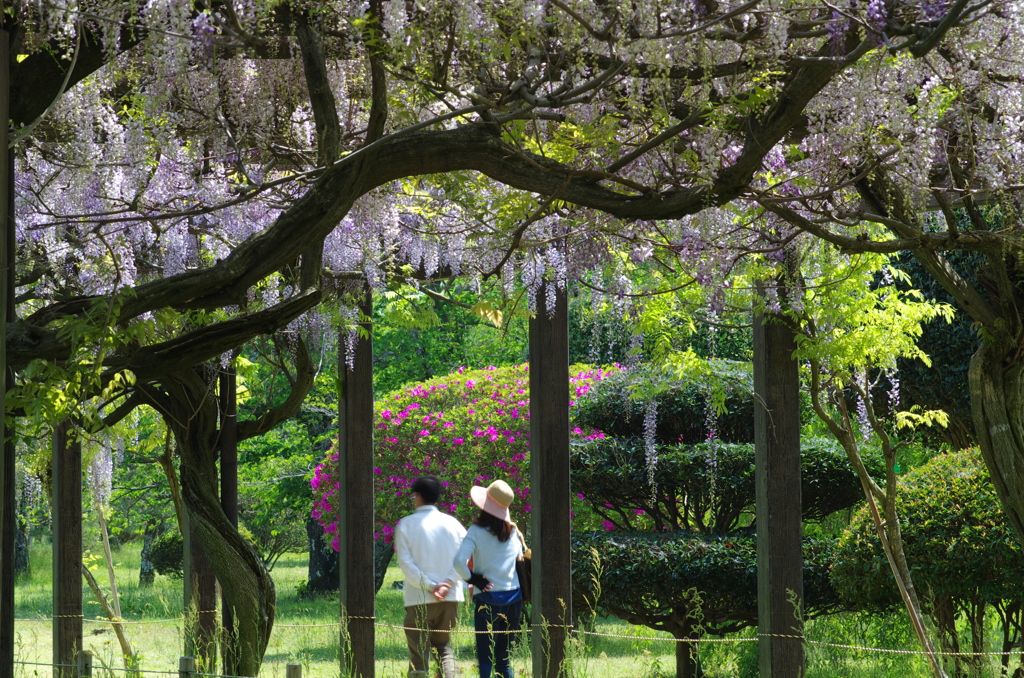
191	410
322	575
777	474
8	504
67	552
996	377
549	483
229	491
200	602
355	519
147	573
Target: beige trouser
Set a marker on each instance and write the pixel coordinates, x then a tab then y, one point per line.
432	621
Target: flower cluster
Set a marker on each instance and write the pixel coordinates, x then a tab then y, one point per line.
468	428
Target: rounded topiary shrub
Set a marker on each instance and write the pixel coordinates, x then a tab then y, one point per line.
168	554
618	404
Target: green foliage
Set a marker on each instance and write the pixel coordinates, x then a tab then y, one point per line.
657	578
956	539
704	487
468	428
417	338
617	406
167	554
943	385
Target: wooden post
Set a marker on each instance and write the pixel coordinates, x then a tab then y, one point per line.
777	477
355	499
229	485
8	504
186	667
85	664
67	551
549	484
200	597
293	671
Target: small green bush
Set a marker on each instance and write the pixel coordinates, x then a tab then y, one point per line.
168	554
613	406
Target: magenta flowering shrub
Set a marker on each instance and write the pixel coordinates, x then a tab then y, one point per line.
467	428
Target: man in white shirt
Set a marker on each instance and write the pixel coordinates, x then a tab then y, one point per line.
426	542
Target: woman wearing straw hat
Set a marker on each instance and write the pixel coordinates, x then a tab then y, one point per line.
494	546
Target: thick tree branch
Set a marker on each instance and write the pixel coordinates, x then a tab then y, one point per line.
154	361
305	373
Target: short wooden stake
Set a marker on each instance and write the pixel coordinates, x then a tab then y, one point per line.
293	671
186	667
85	664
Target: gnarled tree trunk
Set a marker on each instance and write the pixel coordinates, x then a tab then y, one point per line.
190	407
997	402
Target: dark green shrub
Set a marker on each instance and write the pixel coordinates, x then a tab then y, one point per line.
658	580
168	554
962	554
616	407
702	487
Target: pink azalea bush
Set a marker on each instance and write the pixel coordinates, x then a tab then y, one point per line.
467	428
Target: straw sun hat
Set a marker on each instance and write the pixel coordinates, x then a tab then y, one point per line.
494	499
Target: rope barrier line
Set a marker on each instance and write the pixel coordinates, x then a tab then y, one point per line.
101	620
529	629
672	640
939	653
140	671
806	640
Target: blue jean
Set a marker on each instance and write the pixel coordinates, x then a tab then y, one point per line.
492	649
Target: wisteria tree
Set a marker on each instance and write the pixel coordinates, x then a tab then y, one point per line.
189	175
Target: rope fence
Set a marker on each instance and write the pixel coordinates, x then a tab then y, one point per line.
530	627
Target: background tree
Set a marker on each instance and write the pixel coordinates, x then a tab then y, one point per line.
962	553
204	177
943	385
678	551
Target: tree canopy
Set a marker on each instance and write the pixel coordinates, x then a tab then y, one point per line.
190	176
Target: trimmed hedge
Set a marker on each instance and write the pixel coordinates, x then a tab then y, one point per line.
955	536
614	407
703	487
679	574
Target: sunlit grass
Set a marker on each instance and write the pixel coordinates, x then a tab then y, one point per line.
305	631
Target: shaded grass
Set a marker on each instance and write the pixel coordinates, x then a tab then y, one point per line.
305	630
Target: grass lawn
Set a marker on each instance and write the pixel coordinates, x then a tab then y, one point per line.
303	631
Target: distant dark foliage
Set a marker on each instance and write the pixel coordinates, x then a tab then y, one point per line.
167	554
656	579
682	406
950	346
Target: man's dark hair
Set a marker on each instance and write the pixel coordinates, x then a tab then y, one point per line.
429	489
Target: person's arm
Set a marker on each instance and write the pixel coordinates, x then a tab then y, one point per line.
453	574
412	573
462	556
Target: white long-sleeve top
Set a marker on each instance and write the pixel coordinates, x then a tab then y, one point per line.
426	542
493	559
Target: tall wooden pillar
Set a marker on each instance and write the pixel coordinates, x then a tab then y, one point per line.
549	484
777	477
355	498
67	551
8	505
200	584
229	483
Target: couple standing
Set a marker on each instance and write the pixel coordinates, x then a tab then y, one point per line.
436	554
